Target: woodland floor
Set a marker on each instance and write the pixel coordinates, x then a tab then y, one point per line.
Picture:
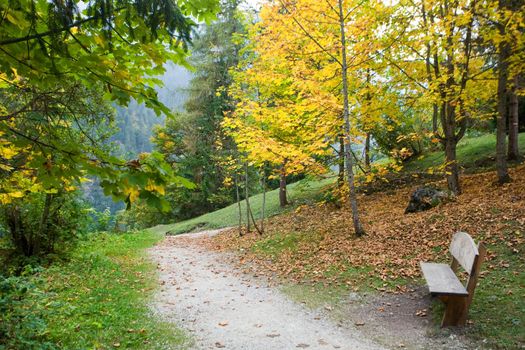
220	306
308	282
315	250
316	239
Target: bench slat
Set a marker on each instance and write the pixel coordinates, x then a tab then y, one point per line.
441	280
464	250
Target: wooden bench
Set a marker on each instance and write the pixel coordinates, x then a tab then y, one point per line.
443	282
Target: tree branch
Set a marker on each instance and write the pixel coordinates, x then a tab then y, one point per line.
47	33
309	35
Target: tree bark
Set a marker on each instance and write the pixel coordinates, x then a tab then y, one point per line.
36	240
16	230
346	116
254	222
367	151
452	168
449	113
513	152
263	209
283	201
341	162
247	197
238	202
501	121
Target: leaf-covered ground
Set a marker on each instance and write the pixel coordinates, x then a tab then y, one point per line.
315	245
316	239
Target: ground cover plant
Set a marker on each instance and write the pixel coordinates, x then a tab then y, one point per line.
97	298
314	245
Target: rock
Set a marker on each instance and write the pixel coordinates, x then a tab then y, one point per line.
425	198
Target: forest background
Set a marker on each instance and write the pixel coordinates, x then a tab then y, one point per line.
352	91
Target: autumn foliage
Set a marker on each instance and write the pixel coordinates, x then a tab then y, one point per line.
395	243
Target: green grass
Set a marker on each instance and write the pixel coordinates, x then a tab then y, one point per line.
470	152
298	193
497	311
98	299
498	308
315	295
275	245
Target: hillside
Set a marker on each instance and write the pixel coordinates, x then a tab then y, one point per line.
135	124
471	151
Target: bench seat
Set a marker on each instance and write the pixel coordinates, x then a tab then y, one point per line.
442	281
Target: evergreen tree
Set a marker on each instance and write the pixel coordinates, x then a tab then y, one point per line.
193	141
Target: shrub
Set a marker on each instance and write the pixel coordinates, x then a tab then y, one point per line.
21	324
38	224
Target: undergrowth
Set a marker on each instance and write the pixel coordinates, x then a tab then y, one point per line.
97	299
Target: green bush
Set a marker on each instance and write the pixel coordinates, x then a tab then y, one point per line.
38	224
400	139
21	325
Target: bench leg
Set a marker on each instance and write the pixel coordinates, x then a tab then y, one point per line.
455	311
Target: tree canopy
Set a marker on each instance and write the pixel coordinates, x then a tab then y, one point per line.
60	63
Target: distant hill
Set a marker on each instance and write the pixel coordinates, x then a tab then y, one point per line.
135	123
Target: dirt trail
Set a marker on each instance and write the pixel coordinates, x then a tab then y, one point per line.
222	308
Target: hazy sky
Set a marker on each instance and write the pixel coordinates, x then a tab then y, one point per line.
252	4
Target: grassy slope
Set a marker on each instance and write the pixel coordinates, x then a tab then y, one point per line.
300	192
98	299
470	152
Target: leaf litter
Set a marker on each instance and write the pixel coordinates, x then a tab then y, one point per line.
325	246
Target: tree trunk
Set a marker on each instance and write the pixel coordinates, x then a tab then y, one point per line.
513	153
16	230
254	222
247	197
428	67
449	113
283	201
501	122
263	209
452	168
367	151
36	240
341	162
238	202
346	116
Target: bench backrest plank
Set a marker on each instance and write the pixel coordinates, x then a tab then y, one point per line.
464	250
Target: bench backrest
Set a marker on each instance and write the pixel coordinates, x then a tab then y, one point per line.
464	250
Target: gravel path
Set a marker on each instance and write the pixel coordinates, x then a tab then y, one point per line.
222	308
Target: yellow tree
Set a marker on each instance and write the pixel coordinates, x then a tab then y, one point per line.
313	60
277	119
440	56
